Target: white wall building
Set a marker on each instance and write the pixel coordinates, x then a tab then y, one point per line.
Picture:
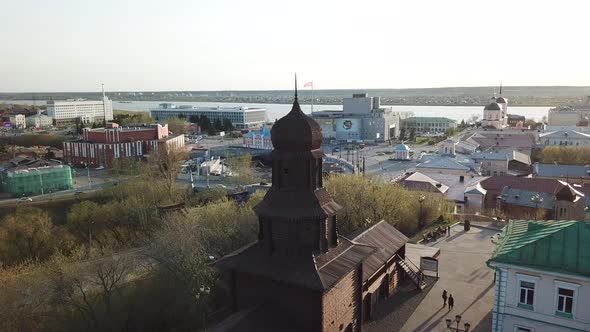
565	137
18	121
69	111
240	117
542	277
495	114
39	120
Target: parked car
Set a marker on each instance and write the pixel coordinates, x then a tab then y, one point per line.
25	199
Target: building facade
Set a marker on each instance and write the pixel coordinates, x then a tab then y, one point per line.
99	147
39	120
542	281
495	114
71	111
257	139
565	137
18	121
240	117
564	116
423	125
361	119
38	180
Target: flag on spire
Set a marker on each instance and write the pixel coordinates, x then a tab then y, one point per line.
308	85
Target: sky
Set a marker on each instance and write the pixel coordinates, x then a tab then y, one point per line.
145	45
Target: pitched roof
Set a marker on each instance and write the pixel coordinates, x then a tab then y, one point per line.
419	181
523	197
512	140
558	170
552	245
564	134
385	238
443	163
534	184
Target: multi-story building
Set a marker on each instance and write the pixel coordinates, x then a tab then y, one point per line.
577	174
99	147
564	137
361	119
423	125
240	117
542	277
257	139
510	162
39	120
66	112
564	116
516	121
36	180
17	121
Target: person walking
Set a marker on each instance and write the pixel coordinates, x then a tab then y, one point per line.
449	231
451	302
444	296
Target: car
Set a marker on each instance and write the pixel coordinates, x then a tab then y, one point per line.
25	199
99	168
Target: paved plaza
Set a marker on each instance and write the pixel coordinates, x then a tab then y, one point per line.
463	273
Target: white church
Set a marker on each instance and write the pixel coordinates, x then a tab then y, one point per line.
495	114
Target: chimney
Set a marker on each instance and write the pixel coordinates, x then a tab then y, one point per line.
461	178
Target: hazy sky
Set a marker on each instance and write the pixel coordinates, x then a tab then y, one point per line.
74	45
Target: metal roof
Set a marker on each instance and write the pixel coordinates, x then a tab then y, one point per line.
558	170
523	197
553	245
444	163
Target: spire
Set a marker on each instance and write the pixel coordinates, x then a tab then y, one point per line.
494	92
500	88
295	86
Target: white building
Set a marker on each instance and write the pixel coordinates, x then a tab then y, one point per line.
564	137
542	277
18	121
495	114
240	117
39	120
361	119
70	111
402	152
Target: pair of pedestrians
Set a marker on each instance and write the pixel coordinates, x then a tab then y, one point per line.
450	298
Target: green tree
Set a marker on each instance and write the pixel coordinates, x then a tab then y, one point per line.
227	125
177	125
163	168
26	234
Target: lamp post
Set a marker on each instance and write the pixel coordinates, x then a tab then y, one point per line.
421	199
536	199
466	325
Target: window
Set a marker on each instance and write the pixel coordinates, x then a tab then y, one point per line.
522	329
565	299
526	291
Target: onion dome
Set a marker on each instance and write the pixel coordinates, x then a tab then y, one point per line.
501	100
296	131
492	107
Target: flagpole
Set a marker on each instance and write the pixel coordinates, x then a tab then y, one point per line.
311	97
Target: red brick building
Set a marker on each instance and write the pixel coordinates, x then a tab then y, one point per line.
99	147
301	275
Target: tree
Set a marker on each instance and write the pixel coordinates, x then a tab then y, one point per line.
194	119
530	123
163	167
241	167
218	126
227	125
26	234
402	133
177	125
412	134
83	220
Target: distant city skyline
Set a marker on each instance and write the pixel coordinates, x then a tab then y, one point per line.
68	45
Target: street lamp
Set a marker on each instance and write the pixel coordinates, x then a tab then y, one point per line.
466	325
536	199
421	199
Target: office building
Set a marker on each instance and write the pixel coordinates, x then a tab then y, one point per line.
71	111
542	277
100	146
18	121
362	119
39	120
240	117
432	125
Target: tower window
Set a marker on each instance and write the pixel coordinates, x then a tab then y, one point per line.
285	171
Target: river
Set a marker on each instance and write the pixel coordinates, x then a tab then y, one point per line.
276	111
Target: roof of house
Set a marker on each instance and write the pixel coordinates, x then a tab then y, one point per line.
511	140
401	147
494	154
443	163
565	134
476	189
457	188
429	119
528	198
534	184
385	238
552	245
559	170
419	181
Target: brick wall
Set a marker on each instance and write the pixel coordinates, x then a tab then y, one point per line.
342	304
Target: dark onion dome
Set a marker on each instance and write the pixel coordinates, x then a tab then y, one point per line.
296	131
501	100
492	107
